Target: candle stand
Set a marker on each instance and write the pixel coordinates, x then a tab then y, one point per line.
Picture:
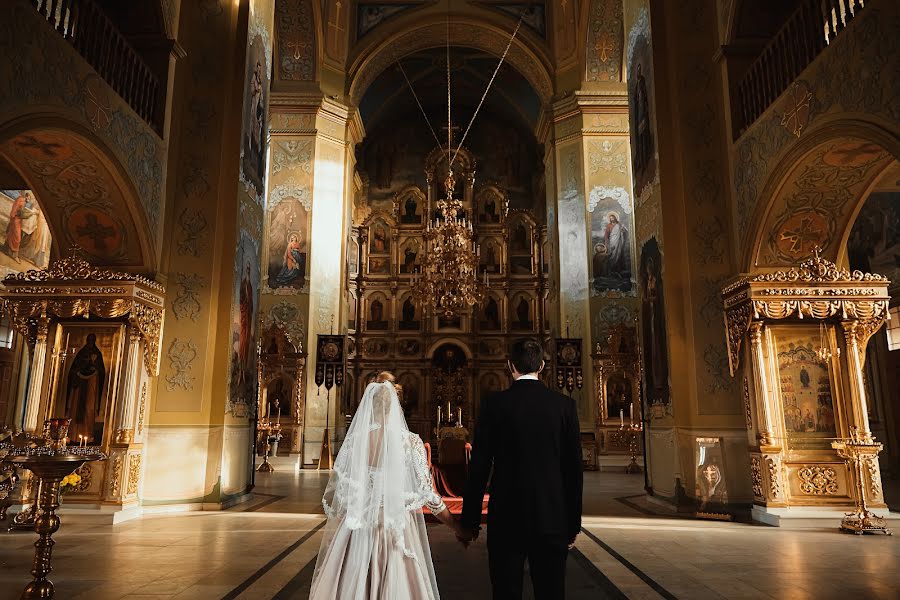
49	464
631	434
858	452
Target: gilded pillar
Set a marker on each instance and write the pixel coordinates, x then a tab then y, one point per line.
766	433
125	425
36	380
860	413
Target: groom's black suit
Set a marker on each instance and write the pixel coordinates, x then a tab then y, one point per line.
530	435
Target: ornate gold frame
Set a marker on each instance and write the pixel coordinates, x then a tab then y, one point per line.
816	293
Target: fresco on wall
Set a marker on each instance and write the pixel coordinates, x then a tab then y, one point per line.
256	97
653	325
874	244
288	244
244	308
612	224
25	234
640	103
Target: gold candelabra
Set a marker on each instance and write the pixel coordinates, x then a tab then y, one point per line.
448	277
859	451
631	433
272	435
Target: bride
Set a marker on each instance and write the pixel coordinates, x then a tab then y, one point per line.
375	545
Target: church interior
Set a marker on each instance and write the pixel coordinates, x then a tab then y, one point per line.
694	207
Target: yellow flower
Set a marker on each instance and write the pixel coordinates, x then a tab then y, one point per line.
74	479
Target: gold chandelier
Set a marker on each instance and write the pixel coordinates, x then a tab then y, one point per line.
448	280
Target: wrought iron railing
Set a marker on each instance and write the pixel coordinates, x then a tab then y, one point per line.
96	38
811	27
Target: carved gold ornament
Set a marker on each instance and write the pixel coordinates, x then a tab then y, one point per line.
71	287
134	474
756	475
817	289
818	481
116	476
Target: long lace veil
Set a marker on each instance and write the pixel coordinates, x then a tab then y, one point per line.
374	496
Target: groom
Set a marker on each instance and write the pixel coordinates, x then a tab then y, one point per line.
530	436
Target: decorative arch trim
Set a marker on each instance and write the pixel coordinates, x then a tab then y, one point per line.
375	57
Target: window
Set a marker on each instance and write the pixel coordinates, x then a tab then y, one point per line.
893	328
7	333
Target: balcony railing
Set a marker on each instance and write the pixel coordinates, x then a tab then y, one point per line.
807	31
99	42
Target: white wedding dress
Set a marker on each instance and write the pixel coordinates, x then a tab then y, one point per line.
375	546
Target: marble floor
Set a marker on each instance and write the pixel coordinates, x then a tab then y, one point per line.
265	549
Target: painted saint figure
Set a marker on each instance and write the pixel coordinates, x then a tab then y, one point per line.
618	257
84	391
22	214
246	320
643	150
294	263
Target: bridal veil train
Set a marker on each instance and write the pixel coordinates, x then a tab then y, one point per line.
375	546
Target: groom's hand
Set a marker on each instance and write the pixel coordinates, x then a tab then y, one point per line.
466	536
572	542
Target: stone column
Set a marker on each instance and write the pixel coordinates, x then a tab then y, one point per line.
566	199
331	198
36	380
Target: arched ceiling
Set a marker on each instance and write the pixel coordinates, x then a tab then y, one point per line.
84	198
470	73
818	201
375	57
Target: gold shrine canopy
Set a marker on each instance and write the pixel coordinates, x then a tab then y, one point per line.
72	287
816	290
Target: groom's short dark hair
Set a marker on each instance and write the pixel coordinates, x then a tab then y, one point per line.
526	356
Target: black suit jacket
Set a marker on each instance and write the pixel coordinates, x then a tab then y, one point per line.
530	436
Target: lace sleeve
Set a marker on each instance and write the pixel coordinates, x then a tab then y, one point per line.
423	477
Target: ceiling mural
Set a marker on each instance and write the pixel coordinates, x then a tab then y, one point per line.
533	14
814	207
84	204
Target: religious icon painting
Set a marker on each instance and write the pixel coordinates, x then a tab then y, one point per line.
653	324
288	245
640	101
377	314
409	257
804	380
454	322
490	315
410	207
490	256
409	315
256	98
244	310
521	314
24	233
612	224
520	249
619	399
87	376
379	265
379	238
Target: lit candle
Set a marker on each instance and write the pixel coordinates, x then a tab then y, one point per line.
621	417
459	415
448	411
439	417
631	412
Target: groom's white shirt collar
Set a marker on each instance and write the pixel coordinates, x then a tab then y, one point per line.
528	376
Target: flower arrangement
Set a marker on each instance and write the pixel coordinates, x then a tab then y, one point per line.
69	483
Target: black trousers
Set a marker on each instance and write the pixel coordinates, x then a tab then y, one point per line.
546	562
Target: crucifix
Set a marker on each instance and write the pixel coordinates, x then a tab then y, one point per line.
454	130
800	236
603	46
95	231
336	25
